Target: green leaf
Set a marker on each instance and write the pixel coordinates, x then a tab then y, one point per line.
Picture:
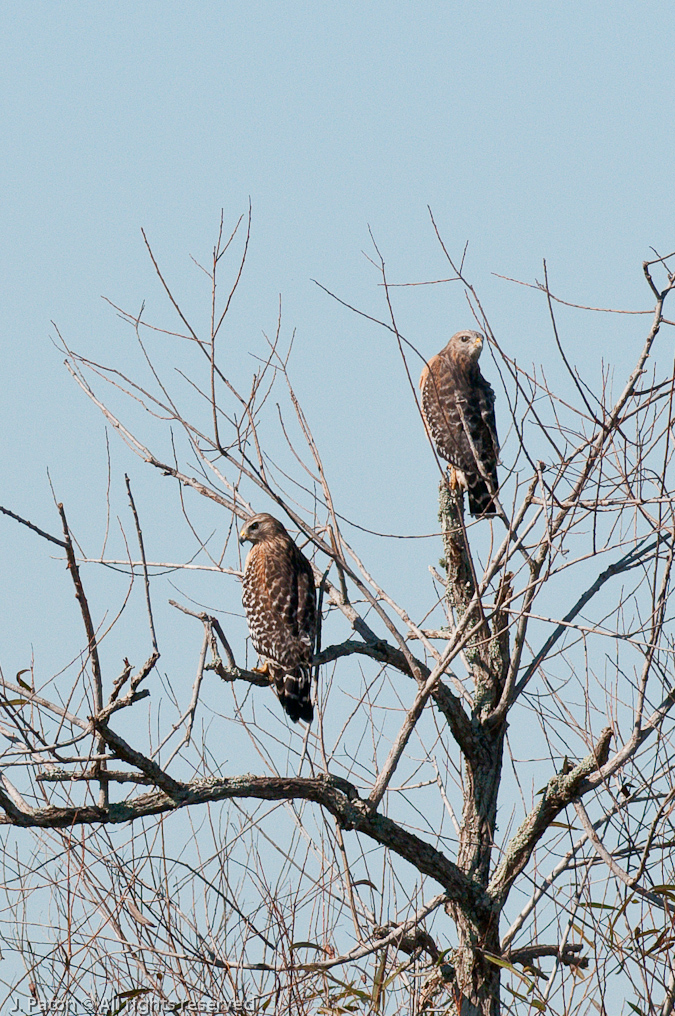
23	684
635	1009
580	931
664	890
365	881
622	910
349	988
516	994
499	962
663	942
378	989
598	906
394	975
308	945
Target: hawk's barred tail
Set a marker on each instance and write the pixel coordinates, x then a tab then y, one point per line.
295	693
480	498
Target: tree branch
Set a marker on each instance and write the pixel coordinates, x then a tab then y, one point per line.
616	869
569	955
447	702
333	793
559	793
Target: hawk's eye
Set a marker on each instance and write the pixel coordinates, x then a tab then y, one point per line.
254	525
465	338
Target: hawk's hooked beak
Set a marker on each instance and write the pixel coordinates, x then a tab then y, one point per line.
243	536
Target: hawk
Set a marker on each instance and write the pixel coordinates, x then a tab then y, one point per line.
279	598
458	408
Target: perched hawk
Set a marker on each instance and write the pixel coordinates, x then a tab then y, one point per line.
458	406
280	602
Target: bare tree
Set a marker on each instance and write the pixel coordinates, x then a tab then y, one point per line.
361	868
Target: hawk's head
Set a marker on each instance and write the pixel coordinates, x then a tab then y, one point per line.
261	527
465	347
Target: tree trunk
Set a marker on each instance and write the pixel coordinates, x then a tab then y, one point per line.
476	987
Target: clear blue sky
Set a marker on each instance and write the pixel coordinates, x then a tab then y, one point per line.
532	130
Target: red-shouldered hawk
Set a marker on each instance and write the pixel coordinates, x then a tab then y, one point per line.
280	602
458	406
